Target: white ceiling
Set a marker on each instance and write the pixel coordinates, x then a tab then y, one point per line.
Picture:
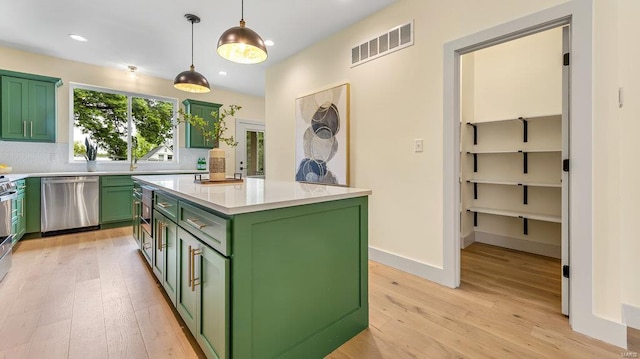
154	35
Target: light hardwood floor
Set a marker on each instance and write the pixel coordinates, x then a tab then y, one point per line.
89	295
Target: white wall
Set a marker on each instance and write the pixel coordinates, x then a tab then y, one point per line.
629	78
616	170
44	157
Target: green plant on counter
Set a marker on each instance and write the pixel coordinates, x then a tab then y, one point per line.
92	149
219	127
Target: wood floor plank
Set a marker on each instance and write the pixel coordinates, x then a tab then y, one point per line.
51	341
124	339
158	336
88	334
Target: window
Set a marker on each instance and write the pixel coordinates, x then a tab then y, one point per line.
125	126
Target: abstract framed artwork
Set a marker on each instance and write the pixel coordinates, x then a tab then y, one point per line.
322	137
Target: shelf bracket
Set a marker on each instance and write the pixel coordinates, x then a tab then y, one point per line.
525	193
475	162
475	219
525	129
475	190
525	161
475	133
525	223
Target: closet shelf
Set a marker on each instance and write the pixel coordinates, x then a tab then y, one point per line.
515	214
516	183
557	116
515	151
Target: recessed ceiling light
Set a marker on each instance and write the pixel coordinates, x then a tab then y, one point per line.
78	38
222	73
269	43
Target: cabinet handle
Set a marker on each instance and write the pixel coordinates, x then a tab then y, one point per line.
194	282
160	235
24	128
31	128
21	207
190	267
163	205
195	224
134	206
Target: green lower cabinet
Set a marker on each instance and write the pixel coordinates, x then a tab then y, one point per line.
203	292
157	261
136	207
19	219
170	275
115	205
186	299
165	254
32	205
212	311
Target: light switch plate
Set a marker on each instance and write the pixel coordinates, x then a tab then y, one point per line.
419	145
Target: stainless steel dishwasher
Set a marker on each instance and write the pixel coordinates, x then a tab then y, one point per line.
70	203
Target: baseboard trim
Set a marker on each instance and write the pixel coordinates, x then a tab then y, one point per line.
543	249
404	264
631	315
467	240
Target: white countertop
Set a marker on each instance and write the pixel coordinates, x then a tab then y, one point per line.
19	176
252	195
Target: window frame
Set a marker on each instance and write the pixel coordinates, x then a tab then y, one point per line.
129	95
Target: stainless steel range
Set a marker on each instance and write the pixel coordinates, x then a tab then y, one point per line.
7	196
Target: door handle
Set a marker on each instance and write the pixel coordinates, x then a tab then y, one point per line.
160	235
31	128
24	128
190	267
194	281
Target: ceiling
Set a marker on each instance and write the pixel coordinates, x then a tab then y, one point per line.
154	35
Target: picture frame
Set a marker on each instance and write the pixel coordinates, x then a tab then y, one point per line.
322	136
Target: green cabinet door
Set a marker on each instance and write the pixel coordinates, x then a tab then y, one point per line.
157	261
186	297
15	108
136	207
32	205
212	288
170	278
18	215
42	112
115	204
28	110
194	138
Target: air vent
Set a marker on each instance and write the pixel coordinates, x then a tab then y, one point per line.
393	40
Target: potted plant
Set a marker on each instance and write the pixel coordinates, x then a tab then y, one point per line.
90	154
217	164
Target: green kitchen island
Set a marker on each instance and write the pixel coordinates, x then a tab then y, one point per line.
261	269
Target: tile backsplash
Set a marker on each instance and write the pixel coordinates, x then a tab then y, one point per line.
35	157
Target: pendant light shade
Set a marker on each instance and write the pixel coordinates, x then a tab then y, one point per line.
191	80
241	44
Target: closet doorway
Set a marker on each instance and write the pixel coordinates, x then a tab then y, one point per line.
514	137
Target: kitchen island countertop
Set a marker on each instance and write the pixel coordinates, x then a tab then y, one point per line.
252	195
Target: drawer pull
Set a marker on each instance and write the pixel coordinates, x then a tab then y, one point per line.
194	281
195	224
163	205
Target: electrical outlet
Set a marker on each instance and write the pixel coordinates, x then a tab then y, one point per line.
418	145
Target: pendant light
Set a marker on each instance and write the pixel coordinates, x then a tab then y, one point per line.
190	80
241	44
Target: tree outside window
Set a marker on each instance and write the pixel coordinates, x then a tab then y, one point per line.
125	126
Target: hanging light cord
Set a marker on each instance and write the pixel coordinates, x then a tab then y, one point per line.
191	42
242	10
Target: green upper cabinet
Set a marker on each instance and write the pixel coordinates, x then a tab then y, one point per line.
28	107
194	138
